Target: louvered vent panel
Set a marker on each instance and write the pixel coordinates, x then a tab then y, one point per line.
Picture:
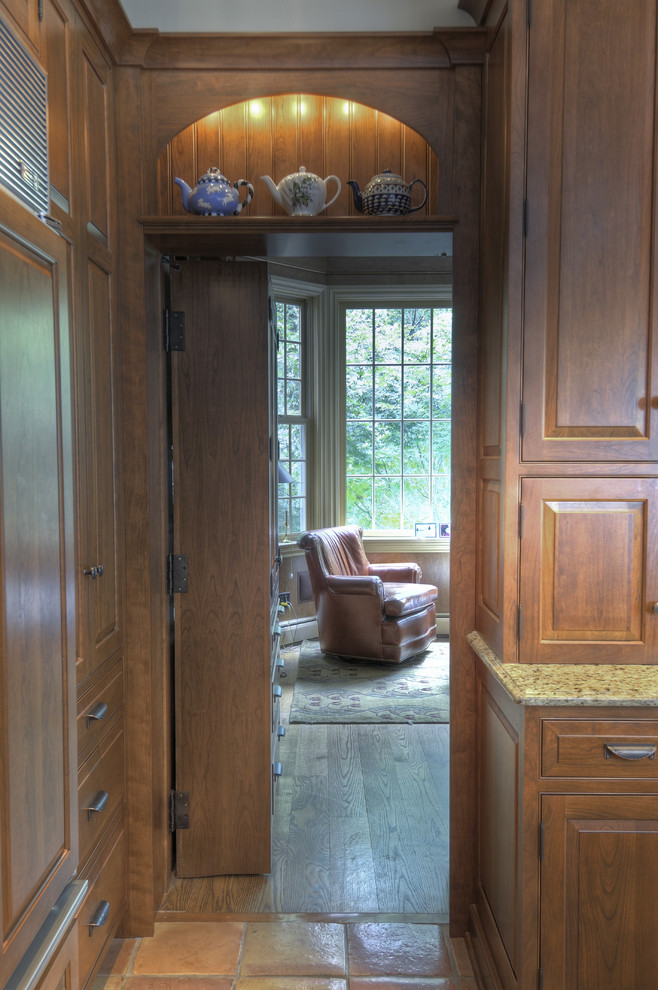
23	124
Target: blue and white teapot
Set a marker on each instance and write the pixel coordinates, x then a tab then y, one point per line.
214	196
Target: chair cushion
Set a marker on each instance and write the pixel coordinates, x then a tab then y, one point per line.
403	599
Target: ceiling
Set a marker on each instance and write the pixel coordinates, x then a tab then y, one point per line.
247	16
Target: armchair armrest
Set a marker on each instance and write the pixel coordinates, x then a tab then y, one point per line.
405	573
356	584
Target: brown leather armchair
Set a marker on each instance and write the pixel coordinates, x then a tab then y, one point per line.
367	611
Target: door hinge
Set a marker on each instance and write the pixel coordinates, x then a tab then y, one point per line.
520	520
541	843
519	622
40	8
540	979
529	12
173	325
177	574
179	810
522	420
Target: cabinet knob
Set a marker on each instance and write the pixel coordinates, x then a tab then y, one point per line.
94	572
101	914
654	608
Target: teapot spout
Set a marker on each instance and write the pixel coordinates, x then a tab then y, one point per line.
358	198
185	191
274	190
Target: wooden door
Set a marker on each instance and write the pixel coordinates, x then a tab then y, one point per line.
589	570
38	785
222	464
599	892
589	362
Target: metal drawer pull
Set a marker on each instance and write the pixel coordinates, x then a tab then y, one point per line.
97	713
94	572
101	915
99	803
629	752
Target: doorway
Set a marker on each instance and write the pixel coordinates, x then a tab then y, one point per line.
361	817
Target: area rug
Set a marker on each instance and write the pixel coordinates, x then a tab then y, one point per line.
331	690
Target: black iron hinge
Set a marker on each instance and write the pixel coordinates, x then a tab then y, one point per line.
173	327
176	573
520	520
541	842
529	12
40	9
179	810
522	420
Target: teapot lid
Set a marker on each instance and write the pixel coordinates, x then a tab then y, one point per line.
213	175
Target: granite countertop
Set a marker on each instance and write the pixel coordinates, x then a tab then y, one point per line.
572	683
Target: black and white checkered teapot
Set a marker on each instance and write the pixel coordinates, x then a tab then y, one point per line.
386	194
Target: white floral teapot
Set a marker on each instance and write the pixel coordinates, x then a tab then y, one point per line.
302	193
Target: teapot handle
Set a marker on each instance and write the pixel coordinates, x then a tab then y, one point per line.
336	194
248	198
420	205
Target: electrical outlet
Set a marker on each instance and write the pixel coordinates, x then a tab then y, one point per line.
284	597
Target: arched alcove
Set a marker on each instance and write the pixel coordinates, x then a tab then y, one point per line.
274	135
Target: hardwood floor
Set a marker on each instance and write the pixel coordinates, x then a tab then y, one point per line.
360	826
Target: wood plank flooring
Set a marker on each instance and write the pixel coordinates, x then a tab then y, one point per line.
360	826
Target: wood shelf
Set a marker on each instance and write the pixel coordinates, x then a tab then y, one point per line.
294	237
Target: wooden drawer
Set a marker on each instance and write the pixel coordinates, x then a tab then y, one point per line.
100	784
97	706
599	749
104	904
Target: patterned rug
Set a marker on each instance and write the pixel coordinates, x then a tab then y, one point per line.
332	690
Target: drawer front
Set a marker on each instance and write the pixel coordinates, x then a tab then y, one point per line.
97	706
602	749
100	786
103	905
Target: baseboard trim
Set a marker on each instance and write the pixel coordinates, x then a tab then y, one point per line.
297	630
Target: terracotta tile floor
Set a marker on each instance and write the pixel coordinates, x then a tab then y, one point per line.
288	955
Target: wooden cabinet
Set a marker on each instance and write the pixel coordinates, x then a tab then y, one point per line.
567	844
38	826
569	436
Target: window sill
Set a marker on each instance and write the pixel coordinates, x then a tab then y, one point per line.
399	543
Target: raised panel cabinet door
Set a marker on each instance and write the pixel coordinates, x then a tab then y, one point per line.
589	377
26	16
222	462
589	570
599	892
101	598
38	824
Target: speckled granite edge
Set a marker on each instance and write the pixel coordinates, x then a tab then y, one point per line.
571	683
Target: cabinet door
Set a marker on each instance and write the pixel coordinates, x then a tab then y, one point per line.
589	566
38	824
599	892
26	15
589	364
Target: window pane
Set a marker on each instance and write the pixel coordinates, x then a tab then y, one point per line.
388	335
417	504
441	447
293	361
358	336
358	448
358	382
417	392
298	440
441	391
442	334
388	392
441	499
298	515
416	447
417	335
358	494
293	397
387	448
388	513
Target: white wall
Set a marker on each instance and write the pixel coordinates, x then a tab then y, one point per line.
294	15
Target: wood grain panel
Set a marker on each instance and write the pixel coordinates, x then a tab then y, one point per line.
591	222
233	158
490	545
96	144
587	549
498	833
258	142
57	53
598	882
222	451
337	154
